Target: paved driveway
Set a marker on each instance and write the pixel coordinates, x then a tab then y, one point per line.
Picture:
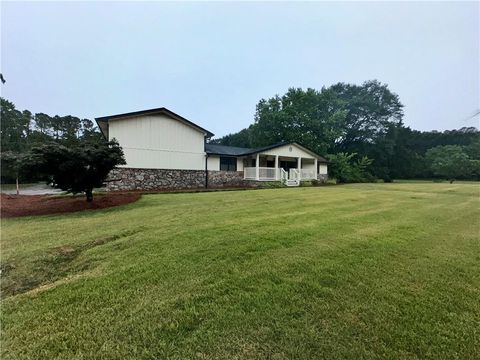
35	189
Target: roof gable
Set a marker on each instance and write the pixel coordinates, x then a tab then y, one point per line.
102	122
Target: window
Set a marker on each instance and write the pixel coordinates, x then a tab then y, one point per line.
228	163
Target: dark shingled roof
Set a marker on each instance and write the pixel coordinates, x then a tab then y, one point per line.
215	149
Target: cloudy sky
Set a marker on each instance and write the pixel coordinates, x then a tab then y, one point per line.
211	62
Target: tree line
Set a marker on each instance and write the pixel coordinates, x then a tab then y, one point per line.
65	151
22	130
360	129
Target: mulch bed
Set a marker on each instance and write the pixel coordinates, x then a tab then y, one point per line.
31	205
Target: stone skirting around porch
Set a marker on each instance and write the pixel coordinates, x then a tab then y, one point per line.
225	179
322	177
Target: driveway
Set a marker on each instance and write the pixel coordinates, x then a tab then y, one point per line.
33	189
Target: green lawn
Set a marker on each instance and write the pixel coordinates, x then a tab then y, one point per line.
345	272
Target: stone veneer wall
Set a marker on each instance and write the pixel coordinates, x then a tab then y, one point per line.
219	179
152	179
121	179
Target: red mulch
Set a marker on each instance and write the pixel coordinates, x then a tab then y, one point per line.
31	205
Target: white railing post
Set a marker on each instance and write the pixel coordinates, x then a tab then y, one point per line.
283	176
257	167
276	167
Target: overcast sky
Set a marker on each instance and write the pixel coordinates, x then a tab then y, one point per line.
212	62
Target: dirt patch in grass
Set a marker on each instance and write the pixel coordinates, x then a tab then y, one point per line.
56	263
24	205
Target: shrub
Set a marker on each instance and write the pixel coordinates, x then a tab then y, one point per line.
271	185
346	169
305	183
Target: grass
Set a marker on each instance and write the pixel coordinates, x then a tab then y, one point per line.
345	272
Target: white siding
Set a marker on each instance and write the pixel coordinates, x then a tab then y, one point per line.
239	164
213	162
308	165
323	170
159	142
285	151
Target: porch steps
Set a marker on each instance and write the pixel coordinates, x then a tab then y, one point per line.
292	182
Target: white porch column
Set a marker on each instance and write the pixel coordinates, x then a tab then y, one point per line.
277	170
257	165
316	168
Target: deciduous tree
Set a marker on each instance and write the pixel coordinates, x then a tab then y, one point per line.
449	161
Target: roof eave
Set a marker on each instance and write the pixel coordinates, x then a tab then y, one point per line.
101	128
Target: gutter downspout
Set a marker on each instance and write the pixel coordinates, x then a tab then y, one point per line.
206	171
206	162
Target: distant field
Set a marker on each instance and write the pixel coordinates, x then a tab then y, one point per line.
341	272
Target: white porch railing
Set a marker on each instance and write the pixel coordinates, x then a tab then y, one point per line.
273	174
294	174
250	173
264	173
283	176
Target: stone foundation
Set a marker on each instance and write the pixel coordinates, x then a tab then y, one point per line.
224	179
154	179
125	179
322	178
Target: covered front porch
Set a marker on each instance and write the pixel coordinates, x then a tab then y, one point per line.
266	167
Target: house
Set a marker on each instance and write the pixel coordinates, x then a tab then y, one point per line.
164	150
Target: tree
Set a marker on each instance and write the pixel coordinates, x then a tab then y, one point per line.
371	109
20	130
70	129
75	169
408	160
305	116
90	131
11	163
373	115
14	127
239	139
345	169
449	161
309	117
